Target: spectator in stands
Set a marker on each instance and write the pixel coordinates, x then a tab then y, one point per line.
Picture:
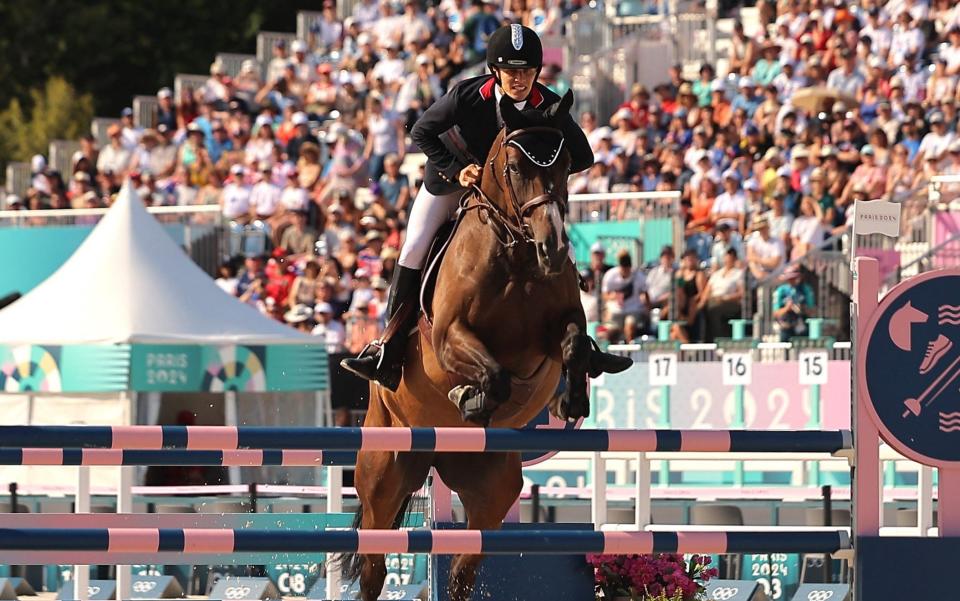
419	90
626	305
394	185
730	207
793	302
235	199
166	111
385	135
721	300
329	329
765	253
298	238
302	135
807	232
265	195
193	157
660	280
726	239
690	283
115	156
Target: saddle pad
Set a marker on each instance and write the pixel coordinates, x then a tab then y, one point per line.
438	249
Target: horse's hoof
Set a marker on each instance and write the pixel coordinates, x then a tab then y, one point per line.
472	404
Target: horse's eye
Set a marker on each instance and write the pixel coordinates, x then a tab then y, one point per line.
513	168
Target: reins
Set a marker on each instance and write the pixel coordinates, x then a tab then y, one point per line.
517	231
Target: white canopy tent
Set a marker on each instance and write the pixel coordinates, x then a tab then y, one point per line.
130	283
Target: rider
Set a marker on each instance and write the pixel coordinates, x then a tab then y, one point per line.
468	116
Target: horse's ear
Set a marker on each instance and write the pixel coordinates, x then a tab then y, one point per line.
562	108
511	116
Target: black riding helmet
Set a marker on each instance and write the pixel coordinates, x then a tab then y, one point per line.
514	47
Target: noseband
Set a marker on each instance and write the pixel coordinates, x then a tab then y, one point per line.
512	221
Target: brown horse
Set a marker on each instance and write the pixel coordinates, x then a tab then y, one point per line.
507	320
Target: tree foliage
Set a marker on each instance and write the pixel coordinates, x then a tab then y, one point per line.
55	111
66	60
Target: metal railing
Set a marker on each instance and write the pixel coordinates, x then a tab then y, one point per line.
232	62
18	179
830	271
203	227
145	111
630	206
187	81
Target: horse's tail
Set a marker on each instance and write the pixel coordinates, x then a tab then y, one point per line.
352	563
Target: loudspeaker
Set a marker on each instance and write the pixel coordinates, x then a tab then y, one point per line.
154	587
735	590
97	590
244	589
822	592
7	592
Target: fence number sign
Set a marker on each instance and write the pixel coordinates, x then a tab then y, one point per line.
663	369
813	367
737	368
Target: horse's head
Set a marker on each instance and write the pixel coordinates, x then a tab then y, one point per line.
526	177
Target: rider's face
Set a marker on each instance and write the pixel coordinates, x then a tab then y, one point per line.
517	83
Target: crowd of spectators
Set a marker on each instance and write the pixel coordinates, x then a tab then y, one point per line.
312	156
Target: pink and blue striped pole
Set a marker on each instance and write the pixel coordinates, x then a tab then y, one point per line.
179	457
57	543
471	440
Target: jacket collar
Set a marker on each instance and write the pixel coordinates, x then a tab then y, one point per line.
488	91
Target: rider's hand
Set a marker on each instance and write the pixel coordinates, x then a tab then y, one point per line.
469	175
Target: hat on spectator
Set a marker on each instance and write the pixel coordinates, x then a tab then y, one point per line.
896	82
769	44
799	152
264	166
126	112
216	68
751	185
248	65
816	174
605	133
759	221
335	208
717	86
751	129
867	150
747	82
936	117
13	199
373	235
379	283
361	274
859	188
323	308
931	155
363	39
772	153
731	174
298	46
598	248
299	118
298	314
685	89
263	120
954	147
236	169
784	171
38	162
423	59
839	107
625	113
164	93
81	176
192	128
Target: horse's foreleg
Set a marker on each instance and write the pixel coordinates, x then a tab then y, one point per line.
461	352
574	402
488	485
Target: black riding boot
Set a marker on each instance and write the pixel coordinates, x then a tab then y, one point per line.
383	361
601	362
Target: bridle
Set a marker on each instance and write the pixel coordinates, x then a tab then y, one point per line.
512	221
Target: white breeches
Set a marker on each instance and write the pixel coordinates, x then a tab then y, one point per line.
429	212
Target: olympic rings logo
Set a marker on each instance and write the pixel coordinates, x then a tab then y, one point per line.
143	586
819	595
723	593
236	592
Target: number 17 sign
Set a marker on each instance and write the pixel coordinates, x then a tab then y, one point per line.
663	369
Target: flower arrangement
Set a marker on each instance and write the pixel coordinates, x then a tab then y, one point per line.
661	577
